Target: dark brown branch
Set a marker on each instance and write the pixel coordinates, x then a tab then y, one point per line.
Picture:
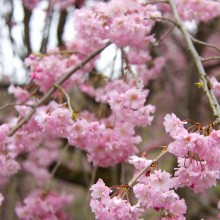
46	30
27	43
61	25
14	104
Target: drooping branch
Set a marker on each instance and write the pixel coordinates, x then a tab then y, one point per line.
53	88
197	59
141	172
14	104
210	58
135	178
206	44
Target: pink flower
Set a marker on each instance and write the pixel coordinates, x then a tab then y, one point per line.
43	206
139	162
195	175
155	191
110	21
174	126
161	181
185	144
201	10
4	129
8	166
216	86
104	207
99	190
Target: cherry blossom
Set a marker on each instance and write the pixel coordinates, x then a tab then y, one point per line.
202	10
195	175
42	206
174	126
105	207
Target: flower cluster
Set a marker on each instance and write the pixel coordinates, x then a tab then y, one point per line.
216	86
151	70
8	165
105	145
46	70
127	24
39	159
43	206
152	191
127	102
156	191
105	207
110	21
198	154
199	10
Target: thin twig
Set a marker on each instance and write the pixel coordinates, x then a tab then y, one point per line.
62	52
128	66
139	174
122	66
135	178
14	104
156	2
62	79
46	29
205	44
164	36
210	58
92	181
197	59
67	97
59	161
113	63
163	19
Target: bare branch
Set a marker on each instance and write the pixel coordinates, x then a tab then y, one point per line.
164	36
156	2
14	104
163	19
67	97
197	59
210	58
205	44
132	182
139	174
46	30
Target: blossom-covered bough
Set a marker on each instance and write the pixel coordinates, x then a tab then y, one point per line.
32	141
